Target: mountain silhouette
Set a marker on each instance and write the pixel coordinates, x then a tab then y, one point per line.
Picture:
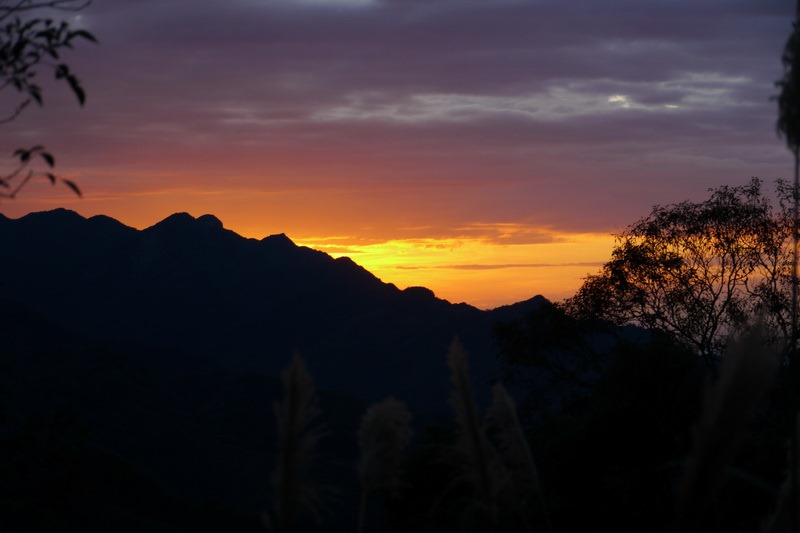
188	285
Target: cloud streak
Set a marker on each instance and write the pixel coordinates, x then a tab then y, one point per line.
472	266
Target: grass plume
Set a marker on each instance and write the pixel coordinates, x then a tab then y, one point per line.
478	455
748	369
522	476
299	432
384	434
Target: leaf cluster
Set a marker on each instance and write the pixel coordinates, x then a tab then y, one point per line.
25	158
26	45
788	97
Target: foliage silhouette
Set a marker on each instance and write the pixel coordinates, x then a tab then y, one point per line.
610	462
699	271
789	126
27	45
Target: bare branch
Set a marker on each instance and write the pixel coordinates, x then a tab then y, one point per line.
21	184
19	109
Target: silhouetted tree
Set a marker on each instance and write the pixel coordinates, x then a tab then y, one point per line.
28	44
789	117
789	126
699	271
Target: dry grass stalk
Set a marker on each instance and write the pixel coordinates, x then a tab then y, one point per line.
479	462
522	476
514	447
298	433
384	434
748	370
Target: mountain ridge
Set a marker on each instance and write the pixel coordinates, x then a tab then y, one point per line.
191	285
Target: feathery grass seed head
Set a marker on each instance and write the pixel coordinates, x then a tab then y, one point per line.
479	463
298	434
384	433
748	370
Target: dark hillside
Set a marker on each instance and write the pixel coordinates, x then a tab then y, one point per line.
96	435
191	286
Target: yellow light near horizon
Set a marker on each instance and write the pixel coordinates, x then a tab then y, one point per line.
482	273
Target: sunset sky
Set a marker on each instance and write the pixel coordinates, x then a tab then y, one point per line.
486	149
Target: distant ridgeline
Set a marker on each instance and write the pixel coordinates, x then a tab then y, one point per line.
188	286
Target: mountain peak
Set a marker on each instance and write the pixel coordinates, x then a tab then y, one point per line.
419	293
185	221
175	220
507	312
209	221
54	214
57	222
279	240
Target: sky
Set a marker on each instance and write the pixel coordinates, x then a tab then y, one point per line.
486	149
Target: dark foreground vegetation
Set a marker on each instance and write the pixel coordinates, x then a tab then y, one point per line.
93	440
610	427
659	440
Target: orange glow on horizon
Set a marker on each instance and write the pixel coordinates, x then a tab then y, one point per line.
485	264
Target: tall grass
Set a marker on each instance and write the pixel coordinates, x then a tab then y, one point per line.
299	433
521	475
748	370
479	460
384	434
492	456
